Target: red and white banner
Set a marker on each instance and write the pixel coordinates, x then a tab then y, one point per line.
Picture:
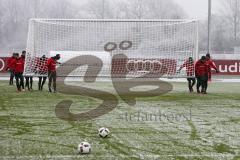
228	67
3	64
124	66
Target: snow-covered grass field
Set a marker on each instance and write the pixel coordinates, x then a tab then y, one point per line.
177	125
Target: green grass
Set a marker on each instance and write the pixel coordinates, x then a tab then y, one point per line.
177	125
222	148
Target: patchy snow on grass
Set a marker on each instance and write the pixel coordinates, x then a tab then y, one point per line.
170	126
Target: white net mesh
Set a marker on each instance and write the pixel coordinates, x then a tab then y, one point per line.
149	45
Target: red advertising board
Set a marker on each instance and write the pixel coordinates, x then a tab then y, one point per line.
3	64
124	66
228	67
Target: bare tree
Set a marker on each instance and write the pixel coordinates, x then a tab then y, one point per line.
151	9
1	21
221	40
98	9
231	11
14	14
137	8
162	9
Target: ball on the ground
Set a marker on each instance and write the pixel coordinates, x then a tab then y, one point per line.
84	148
103	132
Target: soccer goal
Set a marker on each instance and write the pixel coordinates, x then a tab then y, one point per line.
131	47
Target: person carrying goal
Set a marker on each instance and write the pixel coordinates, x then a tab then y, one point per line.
210	64
189	65
201	72
42	70
10	67
29	79
18	66
52	74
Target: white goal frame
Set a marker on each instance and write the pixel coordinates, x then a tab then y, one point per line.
34	32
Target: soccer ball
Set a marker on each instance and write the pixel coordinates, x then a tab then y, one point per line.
103	132
84	148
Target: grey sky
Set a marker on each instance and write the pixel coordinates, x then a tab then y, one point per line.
198	8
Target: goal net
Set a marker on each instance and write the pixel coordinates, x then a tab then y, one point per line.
125	47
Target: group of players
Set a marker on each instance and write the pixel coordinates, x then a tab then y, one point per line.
46	67
203	73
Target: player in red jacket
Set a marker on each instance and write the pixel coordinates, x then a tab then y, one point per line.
10	68
29	79
201	72
189	64
42	71
210	65
18	65
52	75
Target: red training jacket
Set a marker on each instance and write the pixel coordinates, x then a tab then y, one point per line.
10	62
210	64
51	64
18	65
201	68
189	67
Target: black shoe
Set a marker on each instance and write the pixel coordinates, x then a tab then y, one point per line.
49	89
191	90
41	88
198	91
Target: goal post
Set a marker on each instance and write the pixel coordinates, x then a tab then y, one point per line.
147	45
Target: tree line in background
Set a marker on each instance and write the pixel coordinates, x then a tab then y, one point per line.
14	16
225	34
